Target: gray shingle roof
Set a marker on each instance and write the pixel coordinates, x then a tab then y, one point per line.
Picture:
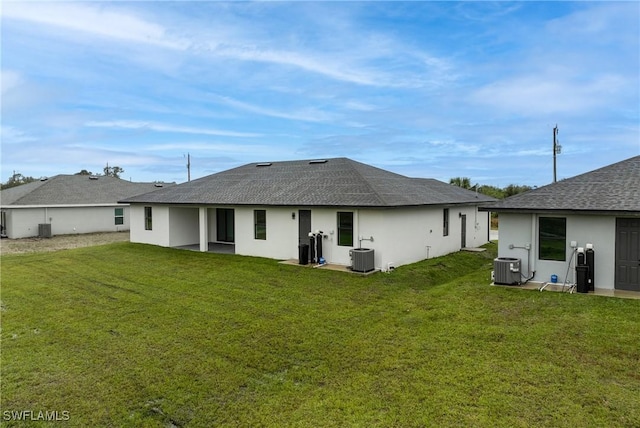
73	190
335	182
611	189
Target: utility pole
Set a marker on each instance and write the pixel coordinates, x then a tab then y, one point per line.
556	150
188	167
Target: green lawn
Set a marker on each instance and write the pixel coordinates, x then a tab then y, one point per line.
134	335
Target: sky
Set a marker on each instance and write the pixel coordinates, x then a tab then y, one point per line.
423	89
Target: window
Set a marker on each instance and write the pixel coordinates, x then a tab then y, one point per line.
147	218
445	222
119	216
552	235
345	229
260	224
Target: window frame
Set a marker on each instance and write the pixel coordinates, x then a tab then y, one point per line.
148	218
345	229
549	244
445	222
118	218
260	225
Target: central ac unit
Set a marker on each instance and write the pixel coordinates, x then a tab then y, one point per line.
44	230
506	271
362	260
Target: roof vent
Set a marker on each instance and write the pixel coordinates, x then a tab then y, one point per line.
93	177
264	164
157	184
317	161
44	178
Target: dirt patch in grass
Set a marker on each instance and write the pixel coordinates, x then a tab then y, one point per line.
60	242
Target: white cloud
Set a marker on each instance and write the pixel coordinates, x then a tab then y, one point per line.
205	147
308	114
360	106
549	94
159	127
9	80
374	60
332	67
11	135
93	20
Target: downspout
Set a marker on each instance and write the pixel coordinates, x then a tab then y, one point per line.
488	224
357	224
534	245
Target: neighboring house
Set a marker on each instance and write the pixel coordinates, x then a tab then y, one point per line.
601	208
268	209
68	204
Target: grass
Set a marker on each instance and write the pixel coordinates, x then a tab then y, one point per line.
134	335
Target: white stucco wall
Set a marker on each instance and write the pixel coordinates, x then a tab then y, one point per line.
282	233
159	235
184	226
408	235
23	221
400	235
521	229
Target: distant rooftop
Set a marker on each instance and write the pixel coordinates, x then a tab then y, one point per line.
74	190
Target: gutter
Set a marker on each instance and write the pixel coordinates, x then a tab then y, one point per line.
63	206
560	211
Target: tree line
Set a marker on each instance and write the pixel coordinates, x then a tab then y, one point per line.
493	191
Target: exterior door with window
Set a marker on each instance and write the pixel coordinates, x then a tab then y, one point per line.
627	254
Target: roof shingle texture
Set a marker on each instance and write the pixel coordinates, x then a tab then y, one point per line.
614	188
74	190
336	182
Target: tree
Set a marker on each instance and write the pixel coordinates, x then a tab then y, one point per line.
113	171
513	189
16	179
84	172
464	182
494	192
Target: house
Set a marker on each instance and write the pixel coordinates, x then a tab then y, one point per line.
268	209
68	204
546	227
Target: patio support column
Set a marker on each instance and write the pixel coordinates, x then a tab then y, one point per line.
204	229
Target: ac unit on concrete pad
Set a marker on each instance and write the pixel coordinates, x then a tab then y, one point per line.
506	271
362	260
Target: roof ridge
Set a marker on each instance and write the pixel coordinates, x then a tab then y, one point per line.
377	194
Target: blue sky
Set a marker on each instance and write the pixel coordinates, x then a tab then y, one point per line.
424	89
